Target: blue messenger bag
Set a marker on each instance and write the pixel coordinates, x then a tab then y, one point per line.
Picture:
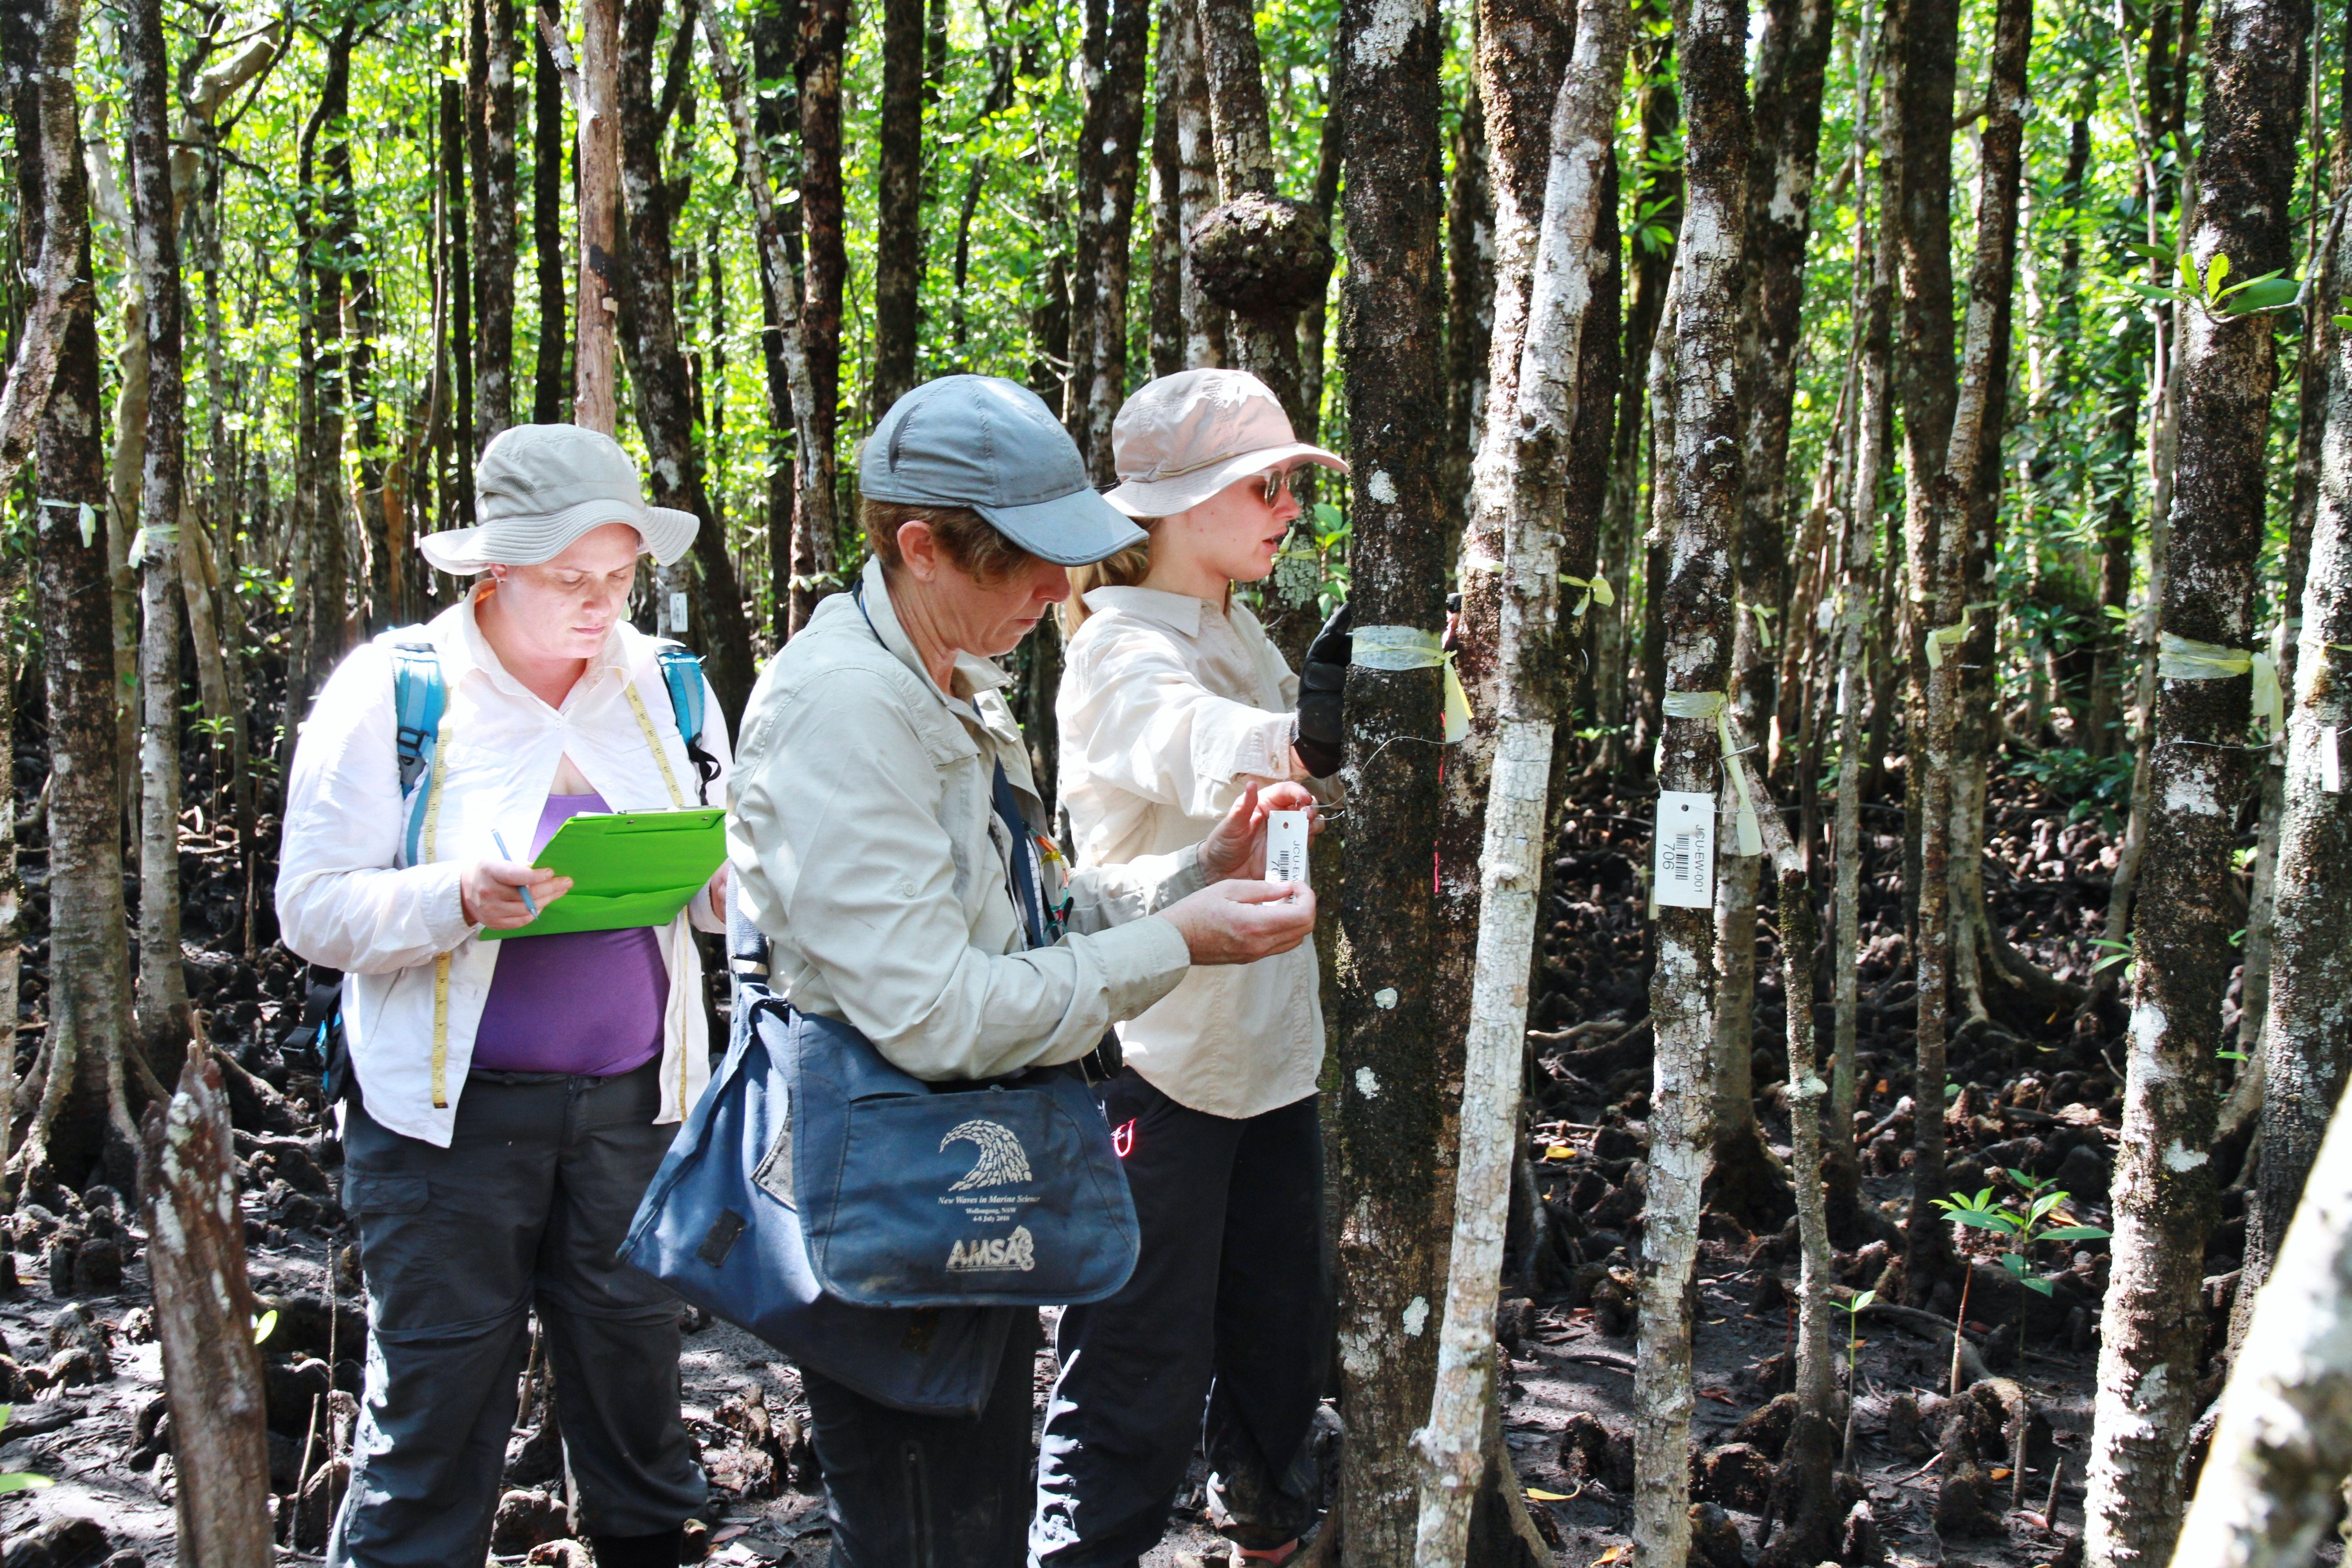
873	1226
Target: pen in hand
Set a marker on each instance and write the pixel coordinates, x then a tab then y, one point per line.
500	839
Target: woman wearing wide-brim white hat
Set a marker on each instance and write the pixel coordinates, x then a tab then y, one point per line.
539	488
511	1096
1173	702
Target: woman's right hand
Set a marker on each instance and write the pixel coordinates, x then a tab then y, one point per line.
486	890
1241	921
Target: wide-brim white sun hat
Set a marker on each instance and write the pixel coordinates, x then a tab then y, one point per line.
1184	438
539	488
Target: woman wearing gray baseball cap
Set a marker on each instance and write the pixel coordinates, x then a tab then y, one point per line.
867	845
506	1102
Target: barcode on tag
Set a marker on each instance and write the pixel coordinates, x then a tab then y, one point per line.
1683	869
2331	769
1285	847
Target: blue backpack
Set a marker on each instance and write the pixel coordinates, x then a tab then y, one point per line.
420	697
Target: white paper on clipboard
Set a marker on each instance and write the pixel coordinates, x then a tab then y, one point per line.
1682	871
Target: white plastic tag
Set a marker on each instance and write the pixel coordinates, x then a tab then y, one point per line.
1683	868
2331	768
1285	847
678	613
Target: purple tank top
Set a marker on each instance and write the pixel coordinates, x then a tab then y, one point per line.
585	1002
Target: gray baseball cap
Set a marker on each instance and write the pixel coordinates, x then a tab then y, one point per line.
990	443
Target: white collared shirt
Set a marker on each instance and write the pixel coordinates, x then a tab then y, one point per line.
866	846
347	898
1169	707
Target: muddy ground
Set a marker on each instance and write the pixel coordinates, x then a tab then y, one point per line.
1927	1481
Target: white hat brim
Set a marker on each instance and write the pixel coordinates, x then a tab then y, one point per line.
1182	492
663	532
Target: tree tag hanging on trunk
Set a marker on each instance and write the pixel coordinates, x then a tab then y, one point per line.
1682	874
2331	774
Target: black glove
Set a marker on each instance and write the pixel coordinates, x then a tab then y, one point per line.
1322	734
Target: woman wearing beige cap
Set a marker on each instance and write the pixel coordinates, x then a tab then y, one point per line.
1173	704
508	1101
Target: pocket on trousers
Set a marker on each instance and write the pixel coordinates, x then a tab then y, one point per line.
371	1192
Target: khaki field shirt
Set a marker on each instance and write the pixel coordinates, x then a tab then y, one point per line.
866	846
1169	707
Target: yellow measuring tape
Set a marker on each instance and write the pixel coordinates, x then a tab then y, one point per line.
440	961
432	827
677	798
1749	837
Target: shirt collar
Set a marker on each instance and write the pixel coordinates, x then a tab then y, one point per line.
973	674
1181	611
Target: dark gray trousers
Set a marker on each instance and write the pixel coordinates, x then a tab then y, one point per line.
524	1209
1218	1338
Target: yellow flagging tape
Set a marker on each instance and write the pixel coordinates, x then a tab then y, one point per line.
1943	639
1409	647
1596	590
2186	658
1749	837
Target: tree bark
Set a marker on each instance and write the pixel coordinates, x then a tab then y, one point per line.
595	399
1523	55
456	203
824	27
1397	1080
162	999
82	1121
61	273
1699	466
815	497
490	84
1791	54
2303	1073
1110	137
2272	1486
1264	338
1563	264
1858	587
1923	44
1631	694
1470	274
1206	325
2163	1190
547	231
204	1322
898	202
660	389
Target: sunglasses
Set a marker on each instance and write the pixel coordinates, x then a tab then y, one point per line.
1273	486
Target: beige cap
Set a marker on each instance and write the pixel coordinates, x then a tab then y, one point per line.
1184	438
539	488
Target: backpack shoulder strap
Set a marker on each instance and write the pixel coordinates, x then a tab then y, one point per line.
419	698
681	672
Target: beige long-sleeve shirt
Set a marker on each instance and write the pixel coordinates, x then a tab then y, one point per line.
1169	707
865	845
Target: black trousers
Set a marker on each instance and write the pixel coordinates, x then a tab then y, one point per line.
927	1492
1228	1314
526	1207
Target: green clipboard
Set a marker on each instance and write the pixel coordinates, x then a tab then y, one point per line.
627	869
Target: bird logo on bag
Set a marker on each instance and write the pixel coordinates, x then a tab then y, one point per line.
1002	1161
